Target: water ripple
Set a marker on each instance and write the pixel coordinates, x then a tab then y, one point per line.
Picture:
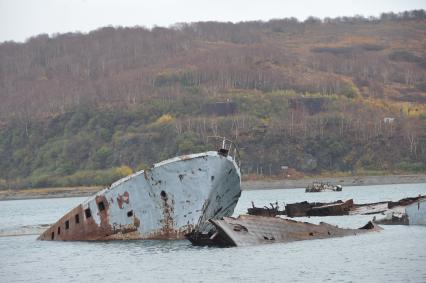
397	253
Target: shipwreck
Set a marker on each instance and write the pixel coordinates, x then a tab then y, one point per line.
348	207
322	187
272	211
248	230
411	212
169	200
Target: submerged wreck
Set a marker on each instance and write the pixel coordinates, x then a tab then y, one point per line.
305	208
171	199
247	230
272	211
413	213
348	207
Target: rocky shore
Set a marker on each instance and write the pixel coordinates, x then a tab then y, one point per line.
246	185
344	181
41	193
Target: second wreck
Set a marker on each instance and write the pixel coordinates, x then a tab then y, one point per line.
411	212
165	202
247	230
348	207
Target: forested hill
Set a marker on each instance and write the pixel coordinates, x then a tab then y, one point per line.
343	94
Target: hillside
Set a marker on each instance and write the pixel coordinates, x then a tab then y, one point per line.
341	95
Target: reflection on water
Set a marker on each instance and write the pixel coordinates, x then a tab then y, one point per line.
398	253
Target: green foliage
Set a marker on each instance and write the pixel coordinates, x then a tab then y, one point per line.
101	157
142	166
79	178
350	91
78	120
164	119
169	78
263	105
408	166
309	95
188	143
102	145
404	56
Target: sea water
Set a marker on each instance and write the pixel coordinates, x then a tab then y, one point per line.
396	254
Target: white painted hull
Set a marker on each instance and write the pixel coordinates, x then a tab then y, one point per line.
416	213
166	202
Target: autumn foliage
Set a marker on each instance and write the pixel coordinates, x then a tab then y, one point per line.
344	94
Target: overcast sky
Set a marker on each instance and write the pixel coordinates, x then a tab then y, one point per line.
21	19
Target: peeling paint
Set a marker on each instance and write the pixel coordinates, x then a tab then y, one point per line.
157	203
249	230
122	199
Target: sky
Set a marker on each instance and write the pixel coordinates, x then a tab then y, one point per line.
21	19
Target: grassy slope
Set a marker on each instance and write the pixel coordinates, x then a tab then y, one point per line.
97	139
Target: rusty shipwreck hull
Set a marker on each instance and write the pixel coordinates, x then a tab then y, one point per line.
165	202
272	211
348	207
247	230
305	208
412	213
301	209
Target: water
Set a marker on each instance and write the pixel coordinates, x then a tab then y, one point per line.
398	253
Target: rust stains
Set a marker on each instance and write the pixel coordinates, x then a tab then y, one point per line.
101	201
167	230
86	229
133	235
265	211
136	222
405	201
339	207
172	234
109	215
77	225
124	198
253	230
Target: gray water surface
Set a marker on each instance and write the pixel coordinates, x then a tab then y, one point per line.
397	254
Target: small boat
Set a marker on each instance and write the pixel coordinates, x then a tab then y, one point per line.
169	200
322	187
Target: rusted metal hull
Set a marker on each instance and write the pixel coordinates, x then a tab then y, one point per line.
165	202
305	208
265	211
348	207
413	213
247	230
386	207
342	208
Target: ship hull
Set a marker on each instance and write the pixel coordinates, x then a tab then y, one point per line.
169	200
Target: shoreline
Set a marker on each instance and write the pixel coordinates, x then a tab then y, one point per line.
344	181
46	193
